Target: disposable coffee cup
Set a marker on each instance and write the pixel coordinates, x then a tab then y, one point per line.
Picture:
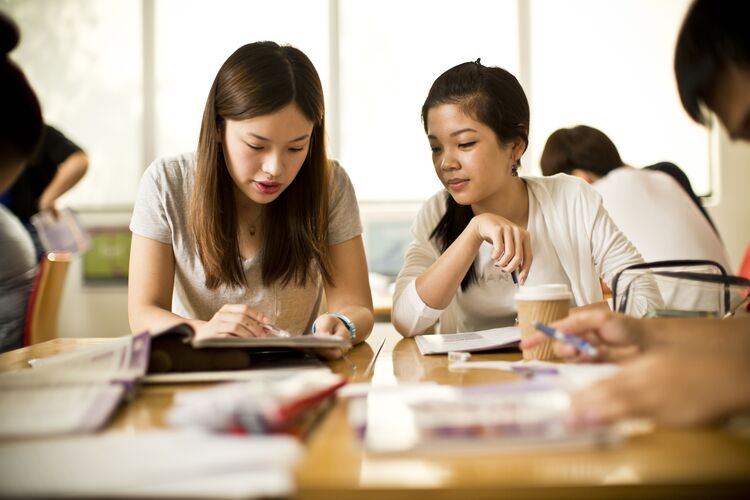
543	303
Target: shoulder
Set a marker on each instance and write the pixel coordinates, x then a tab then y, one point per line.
628	182
172	171
338	177
563	188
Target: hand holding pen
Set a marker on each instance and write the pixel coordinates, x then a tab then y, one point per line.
577	342
238	320
614	336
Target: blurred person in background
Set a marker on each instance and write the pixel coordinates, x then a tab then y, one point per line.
20	130
57	166
654	211
688	371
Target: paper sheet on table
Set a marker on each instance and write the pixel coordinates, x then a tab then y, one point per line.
159	463
571	376
483	340
524	415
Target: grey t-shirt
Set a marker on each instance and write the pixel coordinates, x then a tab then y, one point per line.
160	214
16	278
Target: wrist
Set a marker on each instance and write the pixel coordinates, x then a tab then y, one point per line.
474	231
348	323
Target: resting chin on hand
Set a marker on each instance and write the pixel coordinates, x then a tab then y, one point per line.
674	388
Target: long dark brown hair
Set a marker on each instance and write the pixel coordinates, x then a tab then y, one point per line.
493	97
258	79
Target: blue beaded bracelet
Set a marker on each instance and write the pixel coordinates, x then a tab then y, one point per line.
349	324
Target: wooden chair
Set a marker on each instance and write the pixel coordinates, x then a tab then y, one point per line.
46	295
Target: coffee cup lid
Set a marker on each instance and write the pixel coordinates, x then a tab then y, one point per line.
543	292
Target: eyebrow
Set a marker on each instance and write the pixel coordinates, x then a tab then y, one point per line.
453	134
260	137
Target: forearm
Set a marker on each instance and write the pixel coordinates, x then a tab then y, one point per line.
155	318
438	284
68	174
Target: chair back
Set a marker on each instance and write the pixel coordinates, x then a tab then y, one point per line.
46	295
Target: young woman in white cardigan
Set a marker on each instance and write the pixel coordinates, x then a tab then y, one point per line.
490	228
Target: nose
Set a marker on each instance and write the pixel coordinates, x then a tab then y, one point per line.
273	165
448	161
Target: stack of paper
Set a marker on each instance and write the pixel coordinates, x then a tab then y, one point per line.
73	392
529	414
156	464
281	403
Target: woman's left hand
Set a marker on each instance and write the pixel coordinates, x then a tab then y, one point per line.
328	325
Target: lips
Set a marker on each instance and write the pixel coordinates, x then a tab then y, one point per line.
456	184
267	187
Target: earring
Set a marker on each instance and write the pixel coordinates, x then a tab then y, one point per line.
514	168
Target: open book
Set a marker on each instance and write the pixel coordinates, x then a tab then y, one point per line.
187	335
483	340
71	392
177	350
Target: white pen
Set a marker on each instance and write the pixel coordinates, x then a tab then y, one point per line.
275	330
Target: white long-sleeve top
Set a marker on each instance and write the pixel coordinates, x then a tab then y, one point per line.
574	241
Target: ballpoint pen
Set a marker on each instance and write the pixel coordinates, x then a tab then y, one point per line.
576	342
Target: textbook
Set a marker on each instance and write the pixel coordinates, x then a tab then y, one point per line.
71	392
484	340
177	350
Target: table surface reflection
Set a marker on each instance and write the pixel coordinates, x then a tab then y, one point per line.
688	464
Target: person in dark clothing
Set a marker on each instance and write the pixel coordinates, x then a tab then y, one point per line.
20	129
57	166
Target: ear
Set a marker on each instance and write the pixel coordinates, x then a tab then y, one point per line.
585	175
519	148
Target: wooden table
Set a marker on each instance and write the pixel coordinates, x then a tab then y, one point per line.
675	464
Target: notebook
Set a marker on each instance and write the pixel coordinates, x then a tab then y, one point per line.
483	340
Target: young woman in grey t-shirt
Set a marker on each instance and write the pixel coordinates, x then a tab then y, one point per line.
258	222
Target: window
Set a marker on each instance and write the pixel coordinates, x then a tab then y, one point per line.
84	60
390	53
128	80
193	38
609	65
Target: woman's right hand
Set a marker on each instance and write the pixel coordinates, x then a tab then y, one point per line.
234	320
614	335
511	244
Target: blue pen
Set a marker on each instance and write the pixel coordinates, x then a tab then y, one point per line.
576	342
